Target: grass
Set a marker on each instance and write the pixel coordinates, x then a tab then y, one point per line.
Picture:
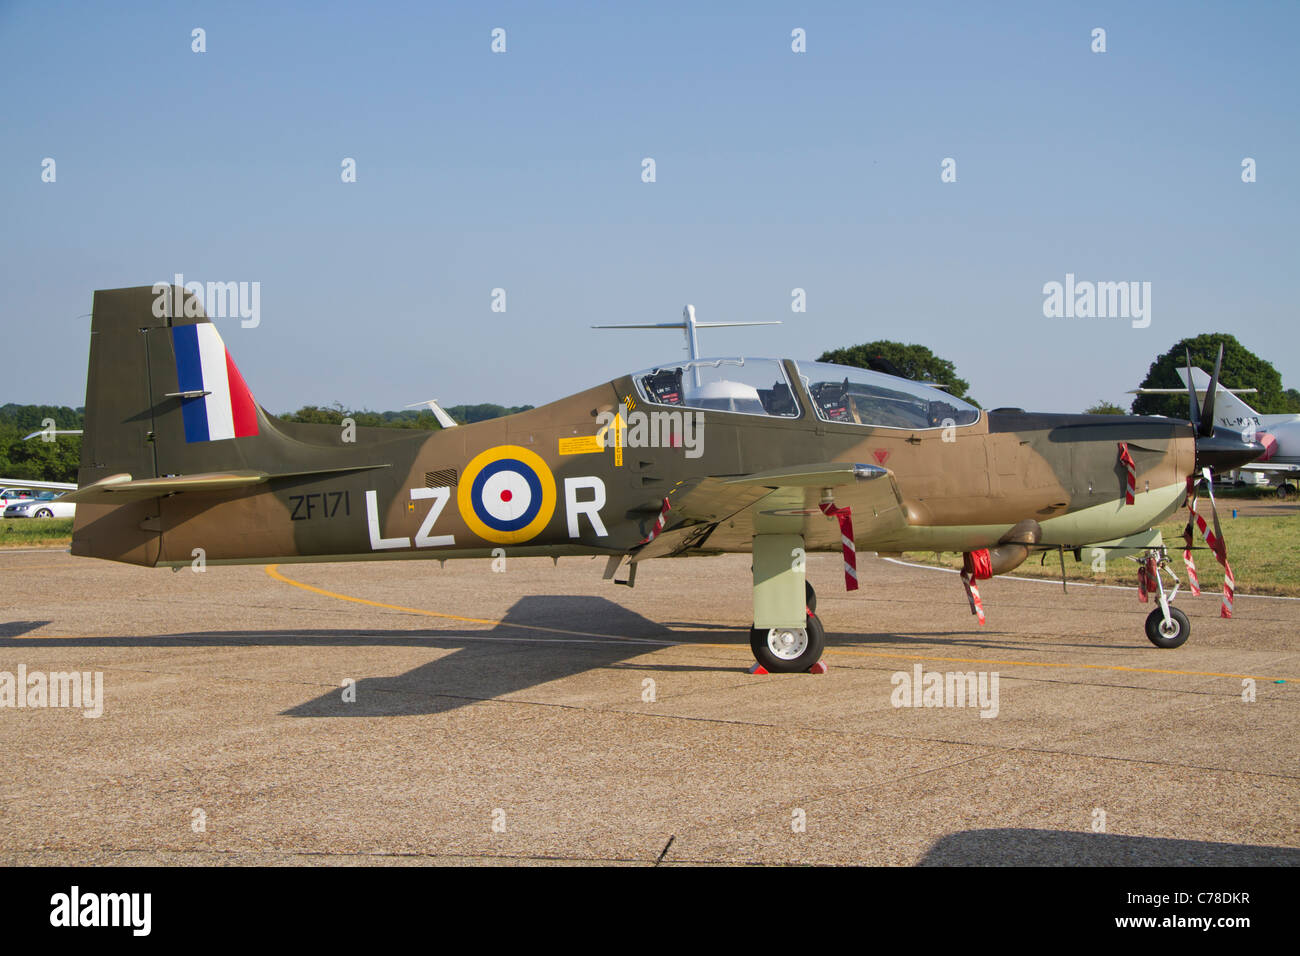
35	532
1264	553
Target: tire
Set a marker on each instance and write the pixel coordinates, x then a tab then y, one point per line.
810	597
44	513
1284	491
1156	633
805	647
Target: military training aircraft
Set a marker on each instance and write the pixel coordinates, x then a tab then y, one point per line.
772	457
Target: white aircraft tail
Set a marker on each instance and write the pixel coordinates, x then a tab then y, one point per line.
1229	410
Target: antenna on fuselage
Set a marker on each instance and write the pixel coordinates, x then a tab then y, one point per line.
689	325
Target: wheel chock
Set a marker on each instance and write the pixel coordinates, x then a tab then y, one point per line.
818	668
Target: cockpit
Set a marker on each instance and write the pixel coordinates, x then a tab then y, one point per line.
743	386
837	393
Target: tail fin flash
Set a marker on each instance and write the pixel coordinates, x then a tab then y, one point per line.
215	401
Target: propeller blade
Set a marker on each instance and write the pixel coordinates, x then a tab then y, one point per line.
1207	413
1193	406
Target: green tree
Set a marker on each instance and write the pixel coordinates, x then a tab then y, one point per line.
34	458
912	361
1242	368
1104	408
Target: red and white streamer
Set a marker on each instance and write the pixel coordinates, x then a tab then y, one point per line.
850	548
659	523
1130	486
1214	540
1192	579
976	565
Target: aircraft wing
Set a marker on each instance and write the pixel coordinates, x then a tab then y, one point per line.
1280	468
724	513
37	485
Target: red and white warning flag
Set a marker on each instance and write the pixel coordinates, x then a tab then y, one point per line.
1214	539
659	523
976	565
1130	485
1192	579
850	548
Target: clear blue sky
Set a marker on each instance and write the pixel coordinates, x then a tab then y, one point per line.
775	170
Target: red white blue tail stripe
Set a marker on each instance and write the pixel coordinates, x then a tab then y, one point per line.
226	408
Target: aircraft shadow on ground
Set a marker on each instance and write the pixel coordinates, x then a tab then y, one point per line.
508	659
516	654
1017	847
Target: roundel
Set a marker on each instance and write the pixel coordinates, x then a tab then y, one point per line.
506	494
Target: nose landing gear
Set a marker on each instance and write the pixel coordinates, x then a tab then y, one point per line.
1166	626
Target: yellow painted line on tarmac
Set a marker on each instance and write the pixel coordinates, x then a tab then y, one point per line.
274	572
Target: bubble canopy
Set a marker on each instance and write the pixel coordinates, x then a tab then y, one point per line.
842	393
740	385
839	393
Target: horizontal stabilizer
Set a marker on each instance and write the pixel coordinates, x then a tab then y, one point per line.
119	489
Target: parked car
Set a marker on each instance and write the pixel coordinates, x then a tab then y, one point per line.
44	505
10	495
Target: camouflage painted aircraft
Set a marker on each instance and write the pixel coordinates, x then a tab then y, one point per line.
698	457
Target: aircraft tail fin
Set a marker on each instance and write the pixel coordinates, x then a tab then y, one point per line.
165	400
163	396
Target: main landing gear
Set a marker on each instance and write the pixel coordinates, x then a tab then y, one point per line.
1166	626
787	636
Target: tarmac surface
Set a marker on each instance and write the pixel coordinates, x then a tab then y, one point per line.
543	715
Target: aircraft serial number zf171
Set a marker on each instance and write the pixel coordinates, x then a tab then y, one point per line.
772	457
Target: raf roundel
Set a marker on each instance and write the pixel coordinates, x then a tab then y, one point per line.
506	495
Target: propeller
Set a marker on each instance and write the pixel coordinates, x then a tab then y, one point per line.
1216	448
1193	406
1207	413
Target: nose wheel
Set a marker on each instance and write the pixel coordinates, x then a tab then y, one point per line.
788	650
1172	632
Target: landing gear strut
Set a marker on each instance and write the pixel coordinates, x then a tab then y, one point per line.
1166	626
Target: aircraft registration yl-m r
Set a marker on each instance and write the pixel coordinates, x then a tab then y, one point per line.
772	457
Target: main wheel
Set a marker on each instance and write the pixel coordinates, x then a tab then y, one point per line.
1174	633
1285	491
788	650
810	597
